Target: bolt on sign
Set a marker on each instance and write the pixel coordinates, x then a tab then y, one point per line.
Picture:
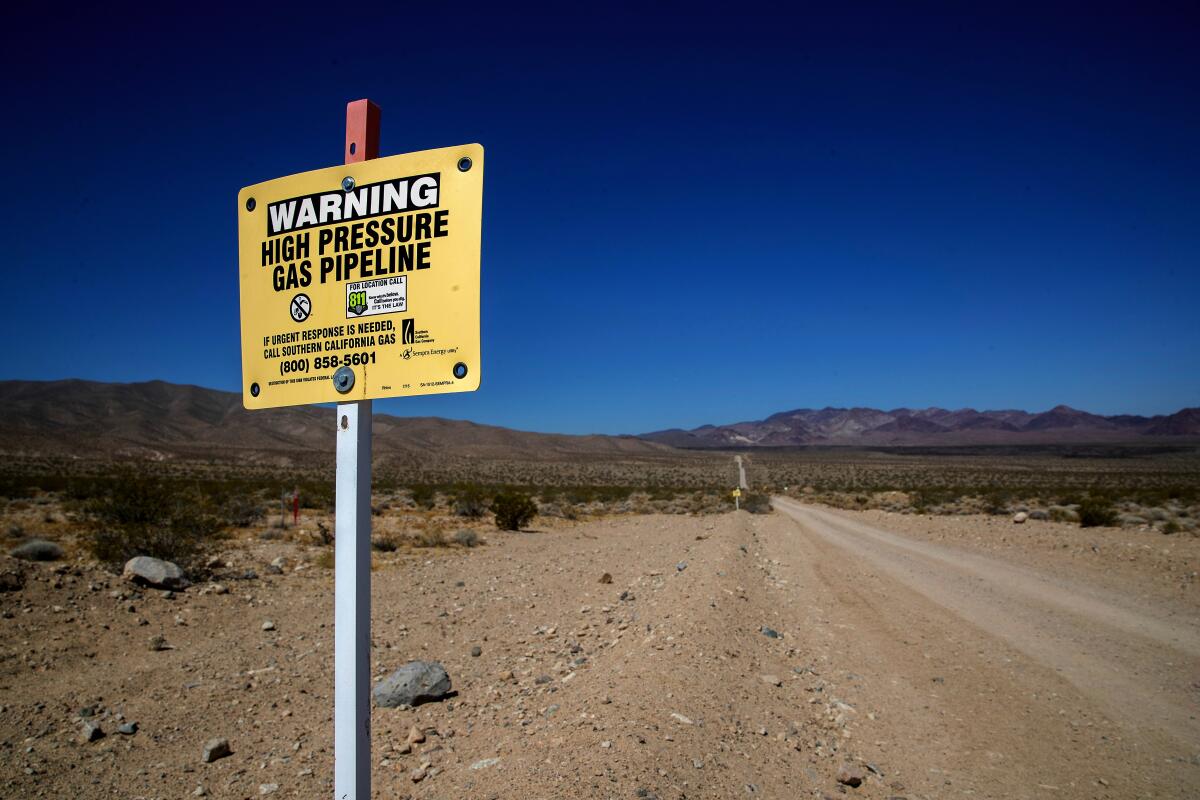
362	281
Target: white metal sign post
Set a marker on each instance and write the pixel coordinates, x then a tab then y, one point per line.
352	549
357	282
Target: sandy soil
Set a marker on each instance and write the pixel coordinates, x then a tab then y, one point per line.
931	663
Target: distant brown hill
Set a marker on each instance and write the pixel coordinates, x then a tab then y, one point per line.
163	421
159	420
934	426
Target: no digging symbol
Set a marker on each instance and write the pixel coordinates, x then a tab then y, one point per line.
300	307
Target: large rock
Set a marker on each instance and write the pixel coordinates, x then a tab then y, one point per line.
415	683
155	572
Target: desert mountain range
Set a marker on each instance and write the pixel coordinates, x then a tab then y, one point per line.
163	420
932	426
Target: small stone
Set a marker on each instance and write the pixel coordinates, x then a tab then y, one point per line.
268	788
214	749
850	776
90	732
681	718
200	791
218	588
128	729
542	679
476	651
268	626
418	774
606	578
415	735
697	763
415	683
280	562
681	566
158	642
771	679
606	744
1020	517
404	749
485	763
770	633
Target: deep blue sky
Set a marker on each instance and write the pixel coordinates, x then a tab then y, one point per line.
691	214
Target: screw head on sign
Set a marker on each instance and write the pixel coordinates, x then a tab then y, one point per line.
343	379
464	164
460	370
254	390
250	204
347	183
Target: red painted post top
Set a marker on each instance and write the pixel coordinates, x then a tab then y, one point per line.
362	131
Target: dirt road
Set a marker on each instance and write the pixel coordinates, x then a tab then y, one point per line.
1068	681
725	656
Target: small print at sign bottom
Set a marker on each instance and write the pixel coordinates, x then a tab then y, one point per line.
383	296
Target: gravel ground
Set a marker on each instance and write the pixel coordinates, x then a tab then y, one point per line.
661	683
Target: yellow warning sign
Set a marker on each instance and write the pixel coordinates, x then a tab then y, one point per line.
737	492
362	281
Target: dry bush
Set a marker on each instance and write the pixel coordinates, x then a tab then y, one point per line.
37	550
144	516
1094	513
513	510
384	543
430	537
469	501
466	537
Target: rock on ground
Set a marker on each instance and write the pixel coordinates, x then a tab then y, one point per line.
155	572
415	683
214	749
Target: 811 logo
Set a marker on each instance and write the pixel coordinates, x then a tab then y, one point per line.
356	302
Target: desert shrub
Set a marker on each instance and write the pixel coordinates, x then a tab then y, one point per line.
430	537
469	502
325	560
318	496
466	537
37	550
424	496
513	510
143	516
1171	527
1063	514
757	503
384	544
1095	512
241	510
